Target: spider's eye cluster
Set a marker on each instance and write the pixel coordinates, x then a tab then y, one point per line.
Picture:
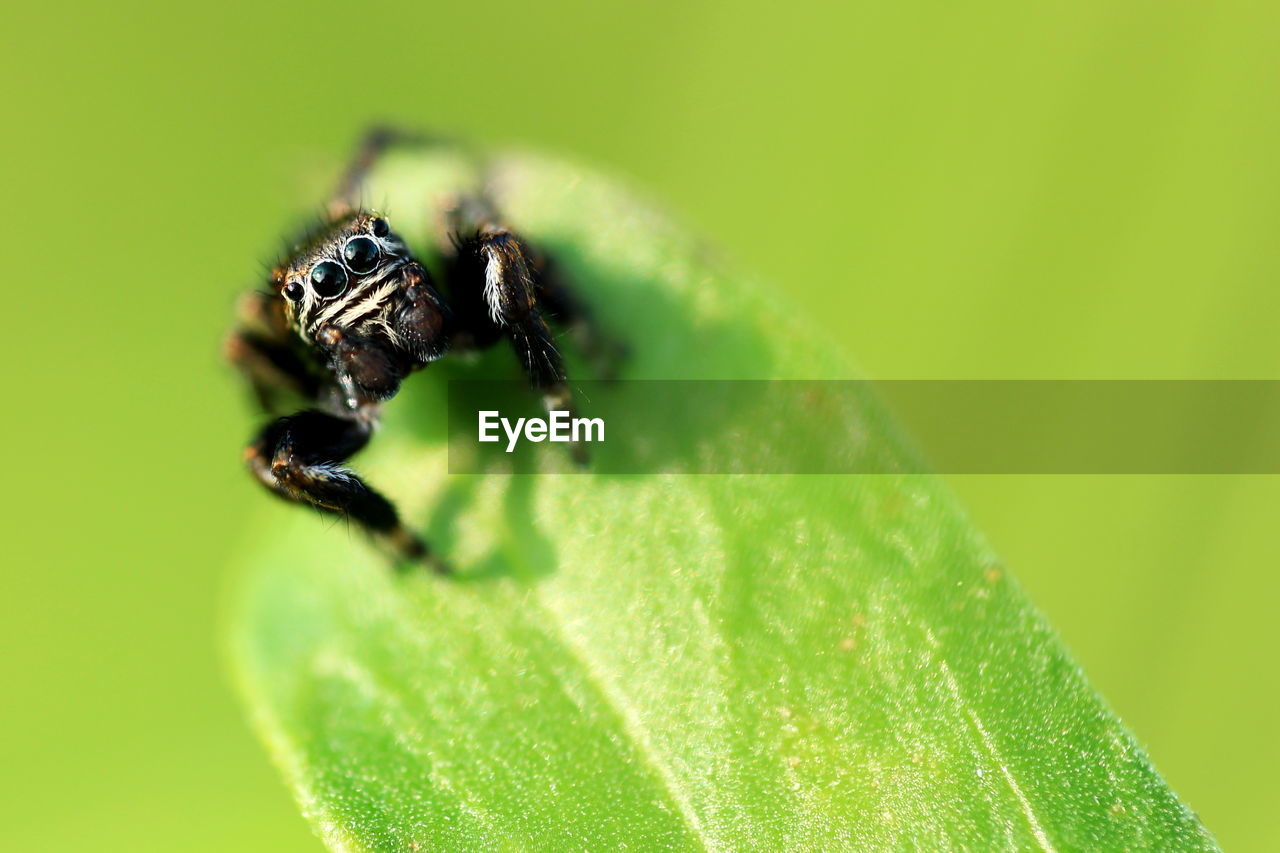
329	279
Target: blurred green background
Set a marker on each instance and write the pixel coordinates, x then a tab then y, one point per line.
990	189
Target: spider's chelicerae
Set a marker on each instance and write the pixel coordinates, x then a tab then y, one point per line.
350	313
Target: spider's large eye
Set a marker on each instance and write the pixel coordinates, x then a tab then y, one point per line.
361	254
328	279
293	291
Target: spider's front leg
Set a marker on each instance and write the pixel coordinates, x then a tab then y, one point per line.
493	280
299	458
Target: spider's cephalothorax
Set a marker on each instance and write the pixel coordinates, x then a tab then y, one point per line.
350	313
355	293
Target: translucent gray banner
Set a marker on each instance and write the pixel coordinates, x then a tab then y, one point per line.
872	427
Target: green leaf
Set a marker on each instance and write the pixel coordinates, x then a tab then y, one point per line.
654	661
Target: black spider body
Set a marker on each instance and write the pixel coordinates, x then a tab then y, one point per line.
356	295
351	313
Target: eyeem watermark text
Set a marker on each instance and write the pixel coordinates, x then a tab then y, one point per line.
560	426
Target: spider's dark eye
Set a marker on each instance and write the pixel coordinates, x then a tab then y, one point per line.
328	279
293	291
381	228
361	254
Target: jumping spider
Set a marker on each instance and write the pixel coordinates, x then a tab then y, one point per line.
351	312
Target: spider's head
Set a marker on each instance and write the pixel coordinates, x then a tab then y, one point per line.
343	274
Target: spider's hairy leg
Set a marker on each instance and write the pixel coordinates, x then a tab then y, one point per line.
493	278
299	458
262	348
511	296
